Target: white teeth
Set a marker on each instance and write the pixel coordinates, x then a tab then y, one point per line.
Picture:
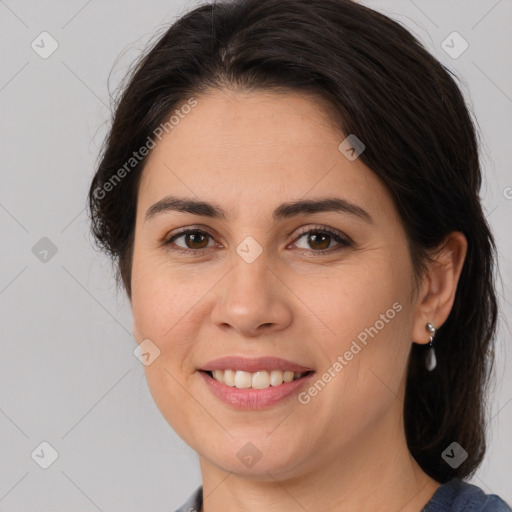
243	379
288	376
257	380
276	377
229	377
260	380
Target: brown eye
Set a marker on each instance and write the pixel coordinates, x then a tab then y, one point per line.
320	239
192	240
196	240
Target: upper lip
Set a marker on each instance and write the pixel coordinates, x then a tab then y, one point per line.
253	364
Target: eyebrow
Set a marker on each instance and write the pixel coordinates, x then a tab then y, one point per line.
283	211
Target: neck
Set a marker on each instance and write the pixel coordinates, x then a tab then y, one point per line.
375	473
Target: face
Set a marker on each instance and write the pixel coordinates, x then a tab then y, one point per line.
326	289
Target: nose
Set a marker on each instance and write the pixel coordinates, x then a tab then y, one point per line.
252	300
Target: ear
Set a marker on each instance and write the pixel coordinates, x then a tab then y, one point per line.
439	284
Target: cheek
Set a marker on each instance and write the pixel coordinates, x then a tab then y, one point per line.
163	298
172	398
369	319
352	299
164	306
365	367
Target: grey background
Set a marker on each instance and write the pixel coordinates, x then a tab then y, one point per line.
67	369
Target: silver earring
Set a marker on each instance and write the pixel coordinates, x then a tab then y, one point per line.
430	359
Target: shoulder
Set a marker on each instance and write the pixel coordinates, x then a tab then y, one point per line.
194	502
457	495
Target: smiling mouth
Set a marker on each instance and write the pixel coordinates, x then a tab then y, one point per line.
262	379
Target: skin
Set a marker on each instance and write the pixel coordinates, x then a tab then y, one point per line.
346	448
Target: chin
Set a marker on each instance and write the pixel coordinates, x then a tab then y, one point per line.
254	458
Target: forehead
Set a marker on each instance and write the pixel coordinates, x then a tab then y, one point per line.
258	123
248	147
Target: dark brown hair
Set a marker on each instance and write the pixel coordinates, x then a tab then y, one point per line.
420	141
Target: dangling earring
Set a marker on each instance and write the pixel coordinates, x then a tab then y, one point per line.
430	359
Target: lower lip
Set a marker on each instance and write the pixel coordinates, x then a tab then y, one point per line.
249	398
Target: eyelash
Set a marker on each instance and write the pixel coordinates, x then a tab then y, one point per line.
344	241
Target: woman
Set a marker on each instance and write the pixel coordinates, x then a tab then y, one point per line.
298	228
